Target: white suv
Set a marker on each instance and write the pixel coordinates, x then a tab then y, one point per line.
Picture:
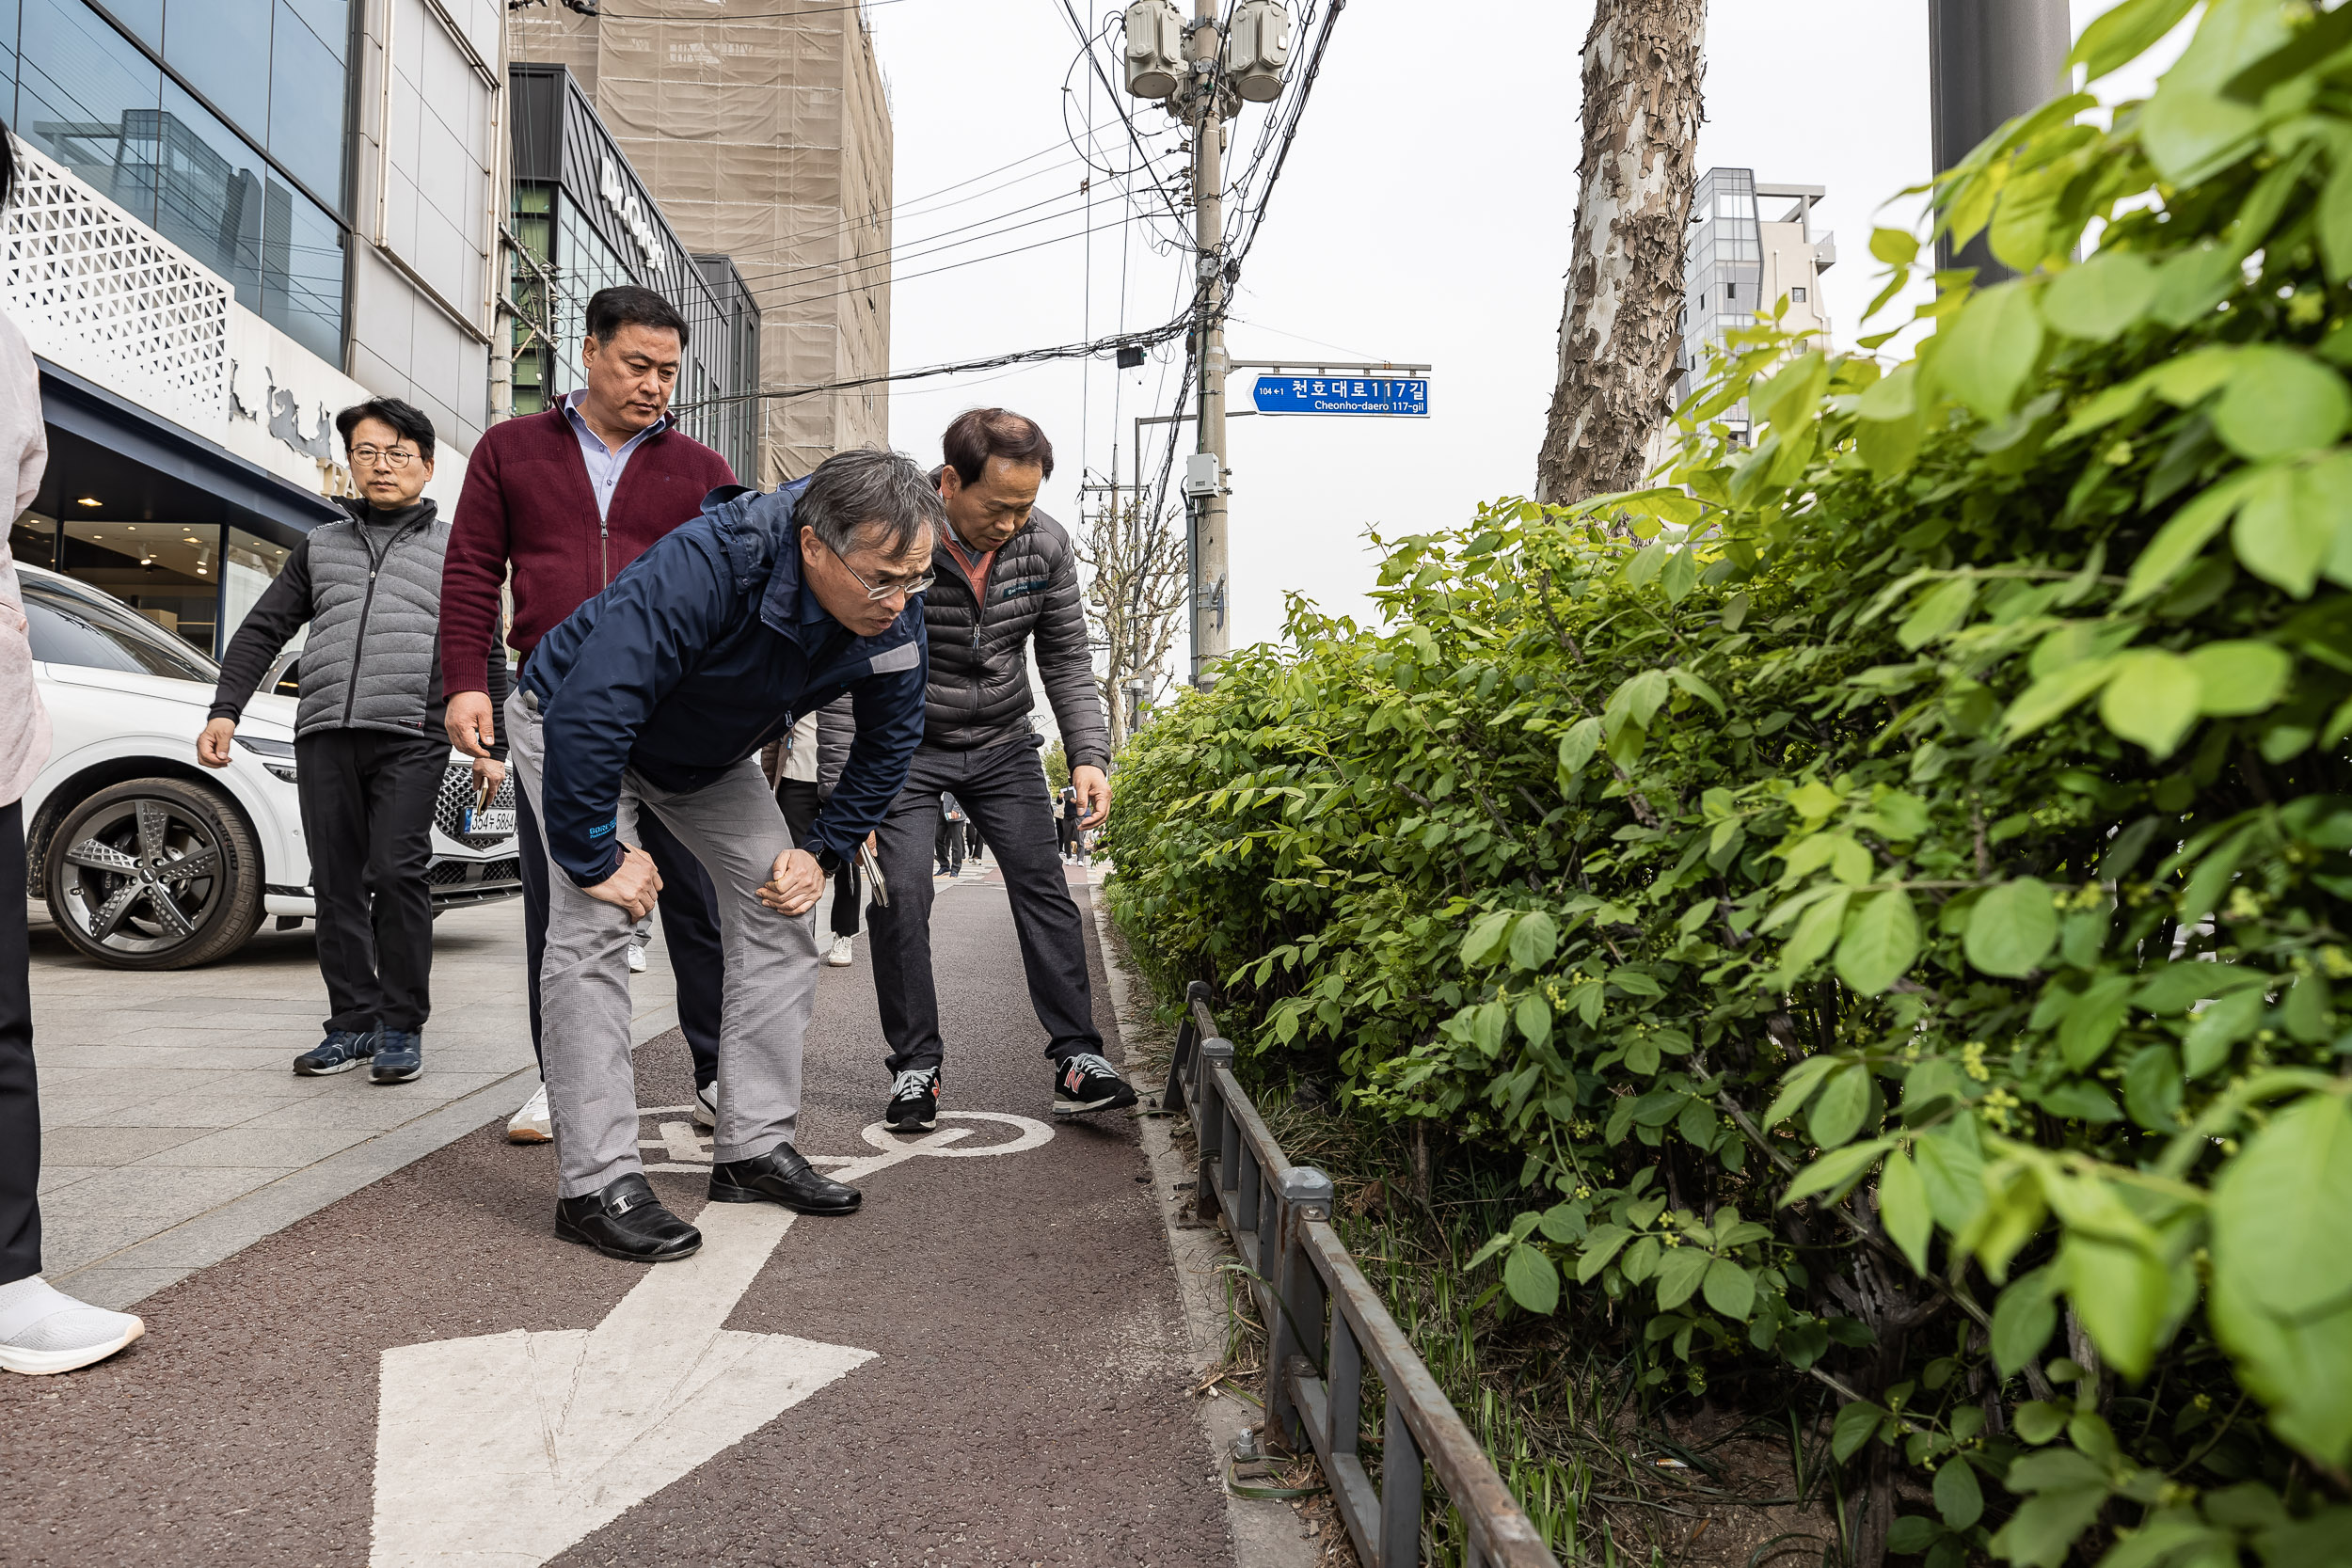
148	860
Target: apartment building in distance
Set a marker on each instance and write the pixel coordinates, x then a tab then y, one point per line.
763	129
1738	263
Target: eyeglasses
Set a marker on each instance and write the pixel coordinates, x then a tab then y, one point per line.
911	586
393	457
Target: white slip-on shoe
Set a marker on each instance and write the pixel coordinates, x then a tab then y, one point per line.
531	1124
45	1331
636	959
843	955
706	1104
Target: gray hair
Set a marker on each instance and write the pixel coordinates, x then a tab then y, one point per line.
879	494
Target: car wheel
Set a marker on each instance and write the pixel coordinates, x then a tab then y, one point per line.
155	874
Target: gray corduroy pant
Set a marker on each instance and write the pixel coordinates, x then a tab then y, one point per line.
733	827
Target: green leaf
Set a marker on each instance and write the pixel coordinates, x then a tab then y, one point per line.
2054	693
2101	298
1730	1290
1817	931
1903	1208
1484	943
2280	1209
2168	988
1844	1101
2012	928
2188	128
1533	1017
2184	536
1798	1086
1530	1278
2125	33
2039	1534
1951	1167
1882	939
1600	1247
2279	402
1578	745
2240	676
1832	1173
2217	1028
1680	1274
2119	1292
1533	941
1939	610
1958	1498
1990	349
2024	1318
2039	1420
2153	698
1855	1425
2288	525
1896	247
2091	1021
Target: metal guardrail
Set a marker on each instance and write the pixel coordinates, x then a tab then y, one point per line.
1326	1323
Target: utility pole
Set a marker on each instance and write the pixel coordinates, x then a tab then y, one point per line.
1204	481
1988	62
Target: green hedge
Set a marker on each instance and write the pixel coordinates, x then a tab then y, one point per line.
1891	915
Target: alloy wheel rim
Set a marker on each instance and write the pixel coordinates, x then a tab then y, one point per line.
142	878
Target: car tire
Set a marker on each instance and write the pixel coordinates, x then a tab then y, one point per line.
120	892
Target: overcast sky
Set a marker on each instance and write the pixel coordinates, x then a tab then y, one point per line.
1424	216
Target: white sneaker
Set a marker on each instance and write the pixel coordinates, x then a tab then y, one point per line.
843	955
531	1124
636	959
42	1330
706	1104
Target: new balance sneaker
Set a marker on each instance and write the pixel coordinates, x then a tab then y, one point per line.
340	1051
706	1104
42	1330
1085	1083
399	1056
913	1100
843	952
533	1124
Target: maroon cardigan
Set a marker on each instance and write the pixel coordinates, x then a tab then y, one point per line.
527	500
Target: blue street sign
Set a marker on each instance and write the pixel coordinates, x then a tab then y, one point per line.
1342	394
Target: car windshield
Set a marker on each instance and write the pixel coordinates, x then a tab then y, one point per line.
68	628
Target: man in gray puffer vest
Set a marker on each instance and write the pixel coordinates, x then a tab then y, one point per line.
369	753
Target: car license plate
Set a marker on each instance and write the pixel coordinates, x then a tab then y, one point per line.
484	823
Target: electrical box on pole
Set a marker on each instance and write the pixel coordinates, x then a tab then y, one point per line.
1258	50
1156	48
1203	473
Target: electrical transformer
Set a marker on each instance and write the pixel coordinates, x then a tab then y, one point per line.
1156	48
1257	49
1202	475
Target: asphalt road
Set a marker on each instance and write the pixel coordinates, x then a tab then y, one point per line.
985	1366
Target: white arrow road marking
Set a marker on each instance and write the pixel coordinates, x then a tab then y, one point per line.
502	1449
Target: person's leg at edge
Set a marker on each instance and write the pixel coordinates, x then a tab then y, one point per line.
42	1328
583	991
402	774
332	788
1011	804
848	887
901	943
690	928
531	1124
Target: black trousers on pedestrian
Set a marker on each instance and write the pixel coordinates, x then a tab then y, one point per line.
1003	789
690	929
797	798
367	801
973	844
19	1097
949	847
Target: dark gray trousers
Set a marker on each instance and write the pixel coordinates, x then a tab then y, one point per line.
20	1101
1002	789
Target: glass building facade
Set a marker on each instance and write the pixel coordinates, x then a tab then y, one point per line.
1723	275
223	125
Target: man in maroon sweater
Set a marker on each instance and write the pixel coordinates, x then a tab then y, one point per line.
568	498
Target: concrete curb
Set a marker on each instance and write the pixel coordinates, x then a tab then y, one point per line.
1267	1532
140	1270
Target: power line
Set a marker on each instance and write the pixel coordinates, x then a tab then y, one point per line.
952	266
753	16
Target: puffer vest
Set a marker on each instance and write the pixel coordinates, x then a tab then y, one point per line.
373	661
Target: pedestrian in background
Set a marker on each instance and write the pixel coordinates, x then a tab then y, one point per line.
1066	821
805	768
949	843
973	846
370	750
42	1328
653	699
566	499
1007	581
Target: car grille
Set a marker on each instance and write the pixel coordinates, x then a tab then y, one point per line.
449	812
468	874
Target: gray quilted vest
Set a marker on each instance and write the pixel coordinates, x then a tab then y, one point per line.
373	661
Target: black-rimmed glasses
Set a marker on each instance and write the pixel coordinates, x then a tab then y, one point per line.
911	587
394	457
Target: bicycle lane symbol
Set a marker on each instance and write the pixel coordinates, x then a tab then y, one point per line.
502	1449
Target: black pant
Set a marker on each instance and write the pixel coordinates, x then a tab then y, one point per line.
1003	789
797	798
690	929
367	815
949	847
972	838
19	1097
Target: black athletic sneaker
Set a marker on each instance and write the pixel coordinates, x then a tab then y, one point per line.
913	1100
1086	1083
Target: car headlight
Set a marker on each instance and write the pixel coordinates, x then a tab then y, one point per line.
280	771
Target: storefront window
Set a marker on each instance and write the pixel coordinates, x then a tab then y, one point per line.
168	572
77	84
33	540
584	264
245	571
307	82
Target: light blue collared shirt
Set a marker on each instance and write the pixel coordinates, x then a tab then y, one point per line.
605	465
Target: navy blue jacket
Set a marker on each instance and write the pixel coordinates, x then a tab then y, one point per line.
703	651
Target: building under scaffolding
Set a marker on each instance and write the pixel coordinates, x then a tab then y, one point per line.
762	128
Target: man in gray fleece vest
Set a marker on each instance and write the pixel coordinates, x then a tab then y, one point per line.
369	749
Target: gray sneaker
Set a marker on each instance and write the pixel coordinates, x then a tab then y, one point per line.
43	1331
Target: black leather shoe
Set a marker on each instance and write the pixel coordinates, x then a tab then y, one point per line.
781	1176
626	1221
